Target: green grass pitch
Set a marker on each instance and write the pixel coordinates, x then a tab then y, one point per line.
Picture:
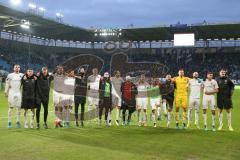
125	143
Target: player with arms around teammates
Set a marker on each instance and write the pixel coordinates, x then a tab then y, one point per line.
167	92
142	100
210	89
181	97
195	86
224	98
154	95
14	94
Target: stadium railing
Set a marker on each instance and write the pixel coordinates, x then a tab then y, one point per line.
100	45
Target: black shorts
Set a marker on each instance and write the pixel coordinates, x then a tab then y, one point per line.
169	100
224	103
131	106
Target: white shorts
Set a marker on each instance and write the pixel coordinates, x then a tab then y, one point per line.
142	103
93	100
15	99
68	100
58	99
155	102
194	103
116	101
209	100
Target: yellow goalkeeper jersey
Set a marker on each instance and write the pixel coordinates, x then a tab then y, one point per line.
181	85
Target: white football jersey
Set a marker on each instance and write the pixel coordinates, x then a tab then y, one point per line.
116	83
69	85
58	82
210	86
93	83
13	83
142	90
195	86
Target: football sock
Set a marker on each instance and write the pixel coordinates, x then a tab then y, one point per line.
159	111
213	119
32	115
117	114
144	116
165	107
205	119
138	116
67	115
10	114
154	117
109	115
184	116
25	116
18	110
196	116
189	115
221	118
229	118
177	117
169	116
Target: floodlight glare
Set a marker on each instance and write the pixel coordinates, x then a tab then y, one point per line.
32	6
25	26
41	9
16	2
59	15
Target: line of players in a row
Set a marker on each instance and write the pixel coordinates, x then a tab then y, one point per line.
29	92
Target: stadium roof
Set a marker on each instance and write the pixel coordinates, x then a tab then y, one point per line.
43	27
50	29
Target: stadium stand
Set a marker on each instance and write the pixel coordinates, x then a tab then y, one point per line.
50	43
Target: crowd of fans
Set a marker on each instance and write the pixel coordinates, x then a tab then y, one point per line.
37	56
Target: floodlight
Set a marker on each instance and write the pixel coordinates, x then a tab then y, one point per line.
32	6
41	9
16	2
25	26
59	15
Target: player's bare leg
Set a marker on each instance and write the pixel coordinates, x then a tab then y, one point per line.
58	112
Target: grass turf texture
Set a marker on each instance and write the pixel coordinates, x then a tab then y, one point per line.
100	142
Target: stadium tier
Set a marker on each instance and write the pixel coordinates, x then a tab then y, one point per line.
190	58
